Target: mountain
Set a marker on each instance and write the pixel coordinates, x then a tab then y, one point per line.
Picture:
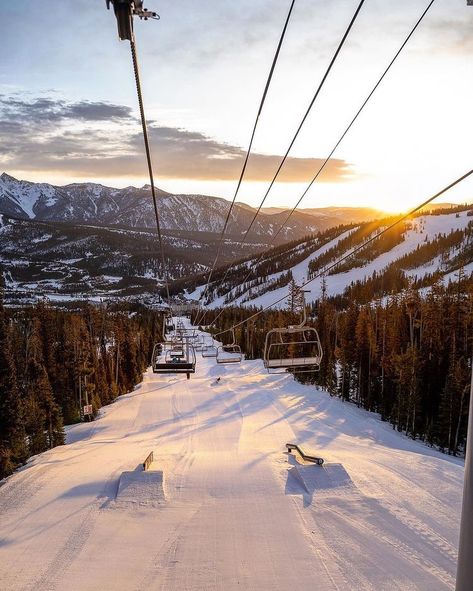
352	215
418	252
345	215
64	261
132	207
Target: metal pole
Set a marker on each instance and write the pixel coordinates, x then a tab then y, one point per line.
465	551
80	397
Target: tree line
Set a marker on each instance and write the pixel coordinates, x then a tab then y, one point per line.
53	362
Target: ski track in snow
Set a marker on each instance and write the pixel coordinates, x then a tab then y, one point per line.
235	511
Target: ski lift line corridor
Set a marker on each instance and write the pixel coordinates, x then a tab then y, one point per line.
234	511
355	250
332	151
292	142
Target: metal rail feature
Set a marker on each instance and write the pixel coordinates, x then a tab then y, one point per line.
149	460
294	447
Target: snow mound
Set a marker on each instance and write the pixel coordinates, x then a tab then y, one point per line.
139	488
312	480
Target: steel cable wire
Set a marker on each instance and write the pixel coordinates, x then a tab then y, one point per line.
299	128
324	164
353	251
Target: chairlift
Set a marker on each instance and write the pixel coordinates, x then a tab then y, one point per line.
168	327
230	353
199	343
209	350
169	323
176	358
295	347
189	334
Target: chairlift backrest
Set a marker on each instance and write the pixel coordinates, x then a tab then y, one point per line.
230	353
294	347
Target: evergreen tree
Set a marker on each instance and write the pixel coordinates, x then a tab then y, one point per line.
13	448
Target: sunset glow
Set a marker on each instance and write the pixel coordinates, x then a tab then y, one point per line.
68	119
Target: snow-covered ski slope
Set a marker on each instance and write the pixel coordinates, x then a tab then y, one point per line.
422	228
224	507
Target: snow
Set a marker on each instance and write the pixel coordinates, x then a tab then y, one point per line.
25	194
453	276
43	238
428	226
225	507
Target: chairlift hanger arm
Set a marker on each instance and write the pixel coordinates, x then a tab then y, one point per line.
125	10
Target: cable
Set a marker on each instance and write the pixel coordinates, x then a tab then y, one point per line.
365	102
309	108
243	170
353	251
148	160
301	124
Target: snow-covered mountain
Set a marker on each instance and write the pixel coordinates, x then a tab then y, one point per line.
421	251
132	207
66	261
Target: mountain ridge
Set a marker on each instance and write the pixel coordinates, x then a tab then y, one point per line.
133	207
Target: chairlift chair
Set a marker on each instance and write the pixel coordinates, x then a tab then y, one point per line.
168	327
199	343
294	347
174	359
230	353
209	350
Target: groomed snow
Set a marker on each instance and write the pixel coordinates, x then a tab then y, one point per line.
227	509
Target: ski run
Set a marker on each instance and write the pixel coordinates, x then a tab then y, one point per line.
223	505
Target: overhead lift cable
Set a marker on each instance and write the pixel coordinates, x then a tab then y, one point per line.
328	268
250	145
125	10
324	164
301	124
304	118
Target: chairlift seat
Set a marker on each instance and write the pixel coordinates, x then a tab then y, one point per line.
229	354
180	366
294	362
209	351
293	347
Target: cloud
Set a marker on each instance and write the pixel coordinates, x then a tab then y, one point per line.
90	139
47	109
451	34
187	154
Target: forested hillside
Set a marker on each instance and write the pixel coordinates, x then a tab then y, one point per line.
422	250
52	362
407	357
64	261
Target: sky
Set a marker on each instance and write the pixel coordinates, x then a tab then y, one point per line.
68	108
